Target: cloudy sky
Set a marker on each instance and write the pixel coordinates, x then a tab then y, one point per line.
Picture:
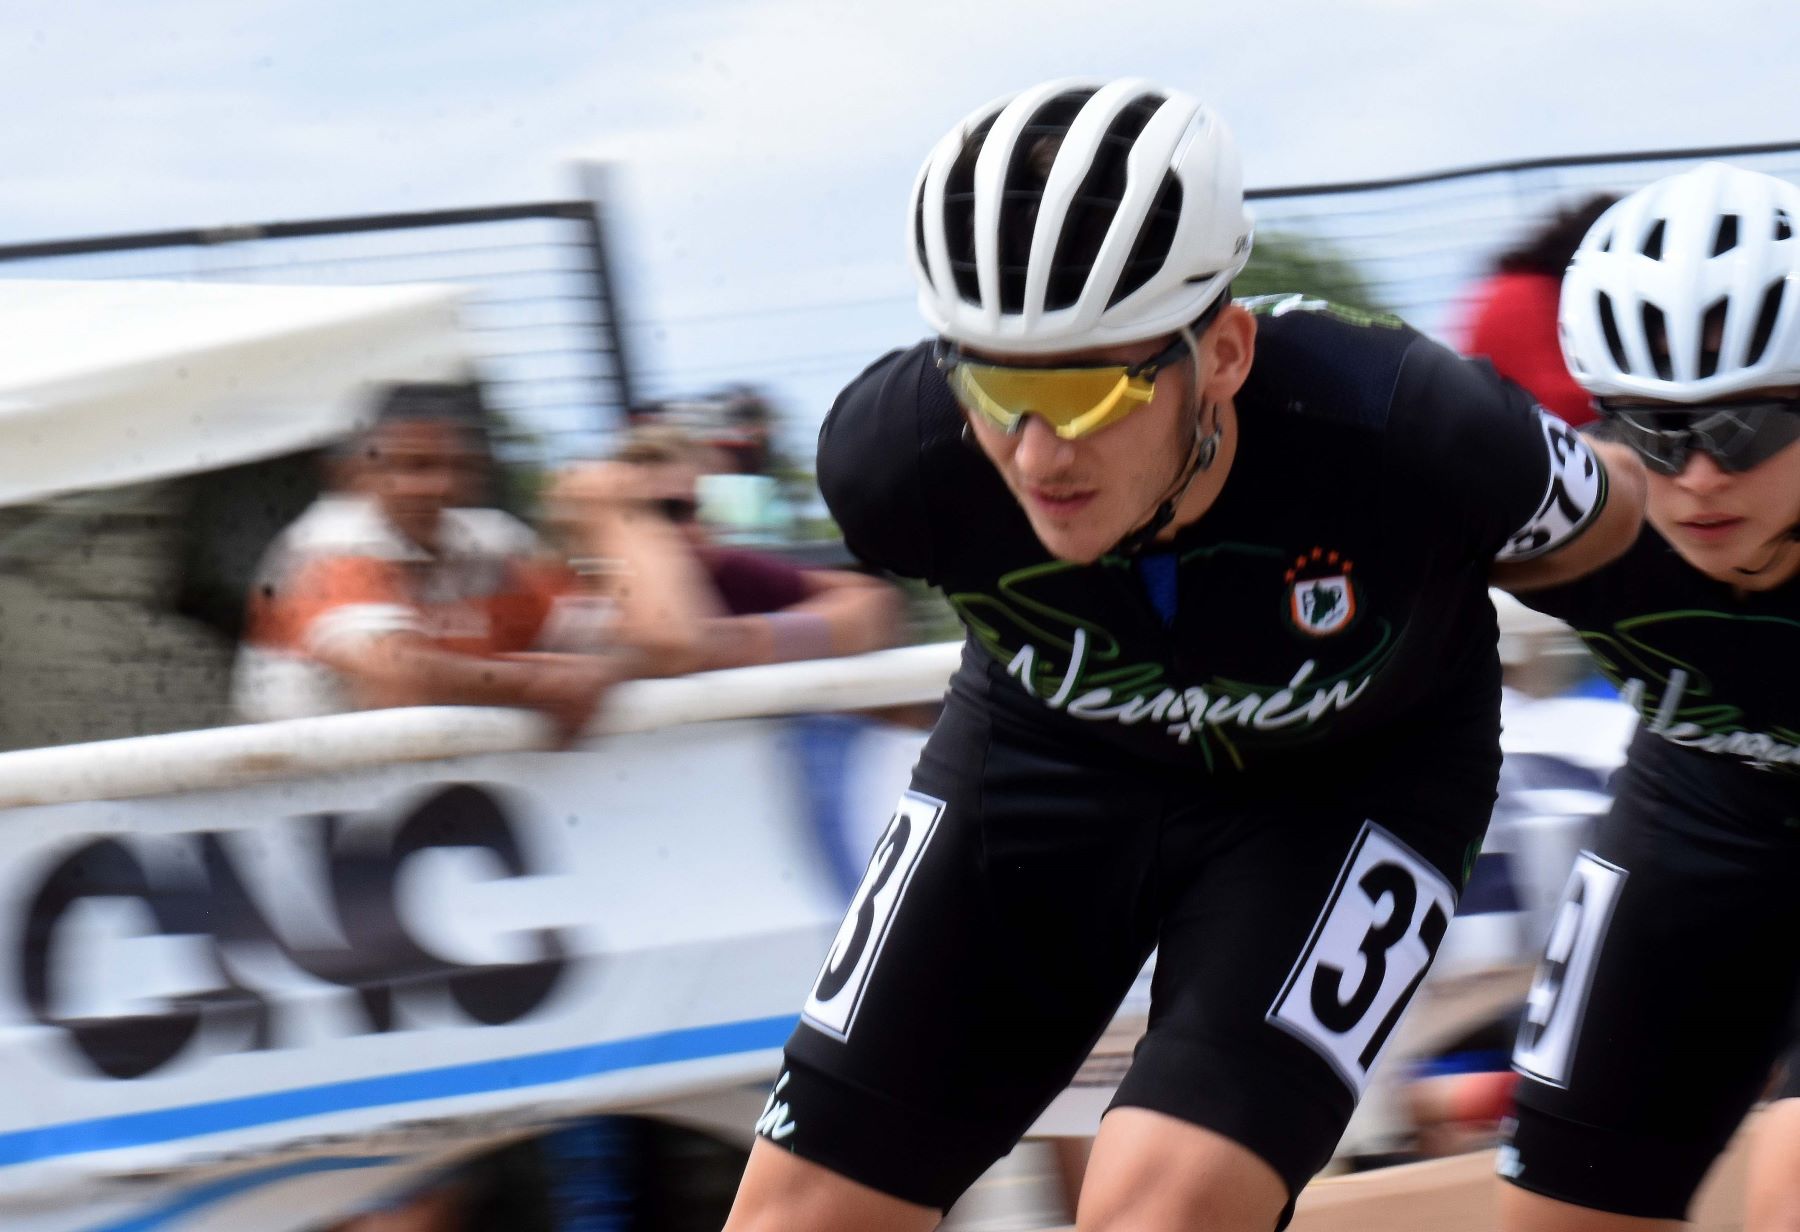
764	148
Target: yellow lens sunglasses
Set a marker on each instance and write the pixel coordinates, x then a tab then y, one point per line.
1074	400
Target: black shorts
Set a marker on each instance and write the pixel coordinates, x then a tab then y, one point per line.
1789	1085
1016	894
1665	998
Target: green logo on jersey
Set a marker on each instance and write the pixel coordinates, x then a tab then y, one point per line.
1648	658
1082	669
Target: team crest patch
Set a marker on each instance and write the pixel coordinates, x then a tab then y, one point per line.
1320	594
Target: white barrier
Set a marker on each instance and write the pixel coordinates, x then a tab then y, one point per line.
211	1001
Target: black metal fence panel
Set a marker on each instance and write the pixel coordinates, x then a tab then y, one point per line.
1421	243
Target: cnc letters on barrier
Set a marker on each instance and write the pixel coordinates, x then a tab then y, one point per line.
192	886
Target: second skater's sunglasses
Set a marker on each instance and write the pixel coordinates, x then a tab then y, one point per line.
1738	435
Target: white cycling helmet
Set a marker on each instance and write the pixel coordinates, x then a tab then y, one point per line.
1710	254
1077	214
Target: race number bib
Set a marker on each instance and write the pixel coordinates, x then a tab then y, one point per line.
1559	993
838	992
1367	955
1576	492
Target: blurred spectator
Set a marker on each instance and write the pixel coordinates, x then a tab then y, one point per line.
741	487
774	611
1514	318
400	588
741	498
737	422
1456	1102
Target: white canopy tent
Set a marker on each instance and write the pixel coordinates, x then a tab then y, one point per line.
105	383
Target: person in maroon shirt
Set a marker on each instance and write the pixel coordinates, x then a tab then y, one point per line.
1513	322
774	610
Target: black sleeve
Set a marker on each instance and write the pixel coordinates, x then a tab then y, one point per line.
1486	459
1594	600
870	464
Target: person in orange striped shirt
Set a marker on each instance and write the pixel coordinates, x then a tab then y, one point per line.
400	588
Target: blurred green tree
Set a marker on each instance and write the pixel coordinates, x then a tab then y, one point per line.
1285	262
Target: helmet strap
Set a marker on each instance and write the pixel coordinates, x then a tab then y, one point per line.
1202	452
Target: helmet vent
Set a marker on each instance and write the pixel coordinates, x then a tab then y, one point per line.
1654	241
1765	321
1656	330
1712	336
1726	238
1569	352
1784	225
1606	241
1096	204
1155	238
1022	191
1611	328
959	214
919	238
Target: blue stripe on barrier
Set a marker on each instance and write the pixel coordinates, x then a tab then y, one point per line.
203	1196
477	1077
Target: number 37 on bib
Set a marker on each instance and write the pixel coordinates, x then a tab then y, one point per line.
1368	953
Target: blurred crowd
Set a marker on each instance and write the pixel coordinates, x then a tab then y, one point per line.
403	585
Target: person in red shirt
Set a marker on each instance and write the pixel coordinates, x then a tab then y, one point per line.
1513	322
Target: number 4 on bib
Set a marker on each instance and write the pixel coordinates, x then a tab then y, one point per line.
1367	955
